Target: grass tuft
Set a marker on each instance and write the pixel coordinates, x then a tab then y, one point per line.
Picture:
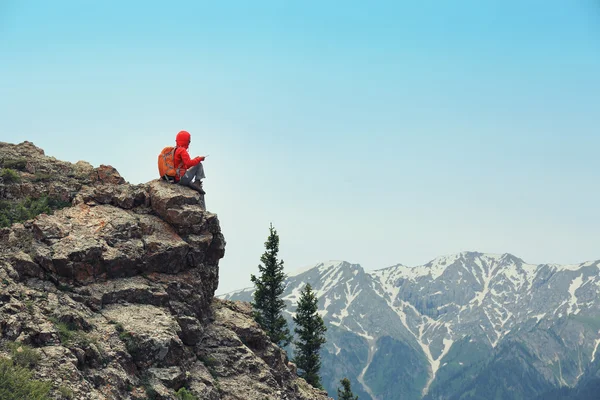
184	394
66	393
23	355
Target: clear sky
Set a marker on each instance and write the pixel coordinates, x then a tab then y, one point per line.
377	132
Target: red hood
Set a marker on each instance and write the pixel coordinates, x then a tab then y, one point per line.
183	139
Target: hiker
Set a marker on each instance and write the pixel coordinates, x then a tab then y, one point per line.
183	170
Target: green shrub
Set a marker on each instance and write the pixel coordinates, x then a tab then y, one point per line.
18	164
66	331
151	393
16	383
130	343
125	336
41	177
9	175
66	393
70	334
184	394
12	211
23	355
210	363
84	340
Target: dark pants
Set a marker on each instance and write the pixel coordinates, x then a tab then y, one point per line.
195	173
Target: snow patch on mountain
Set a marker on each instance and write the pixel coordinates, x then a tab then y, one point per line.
351	295
330	275
337	349
361	377
575	284
566	267
486	277
596	343
294	297
437	267
521	276
321	266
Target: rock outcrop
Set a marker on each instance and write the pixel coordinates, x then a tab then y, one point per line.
115	290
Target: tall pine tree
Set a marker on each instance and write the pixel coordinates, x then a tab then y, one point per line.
310	329
346	393
267	303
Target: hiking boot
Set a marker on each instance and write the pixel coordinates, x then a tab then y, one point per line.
197	186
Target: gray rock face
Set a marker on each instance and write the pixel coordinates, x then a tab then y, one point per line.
231	346
462	325
115	292
43	175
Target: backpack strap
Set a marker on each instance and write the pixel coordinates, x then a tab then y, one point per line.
178	168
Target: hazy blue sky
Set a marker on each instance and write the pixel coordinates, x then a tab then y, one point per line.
374	132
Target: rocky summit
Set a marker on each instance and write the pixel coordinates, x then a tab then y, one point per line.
108	288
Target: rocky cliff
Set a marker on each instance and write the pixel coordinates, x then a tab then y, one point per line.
112	286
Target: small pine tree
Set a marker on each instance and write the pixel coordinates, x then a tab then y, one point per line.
346	393
267	304
310	329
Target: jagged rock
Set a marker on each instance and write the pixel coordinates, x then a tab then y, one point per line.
128	290
191	330
123	196
42	175
152	335
116	291
107	174
234	343
176	204
172	377
38	333
24	265
73	318
102	237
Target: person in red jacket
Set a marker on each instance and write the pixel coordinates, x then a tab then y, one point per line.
192	171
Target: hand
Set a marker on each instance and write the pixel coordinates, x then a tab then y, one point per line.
202	158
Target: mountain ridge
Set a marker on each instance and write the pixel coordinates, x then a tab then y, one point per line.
304	269
491	301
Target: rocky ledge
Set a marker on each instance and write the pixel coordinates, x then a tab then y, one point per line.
114	292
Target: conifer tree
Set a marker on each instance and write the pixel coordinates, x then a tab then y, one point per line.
267	303
310	329
346	393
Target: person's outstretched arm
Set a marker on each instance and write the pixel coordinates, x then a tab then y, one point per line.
187	161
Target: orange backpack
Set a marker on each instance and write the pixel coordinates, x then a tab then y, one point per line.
166	164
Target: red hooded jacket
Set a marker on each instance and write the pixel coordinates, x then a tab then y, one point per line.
182	157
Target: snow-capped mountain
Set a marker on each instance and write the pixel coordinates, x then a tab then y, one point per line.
469	326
